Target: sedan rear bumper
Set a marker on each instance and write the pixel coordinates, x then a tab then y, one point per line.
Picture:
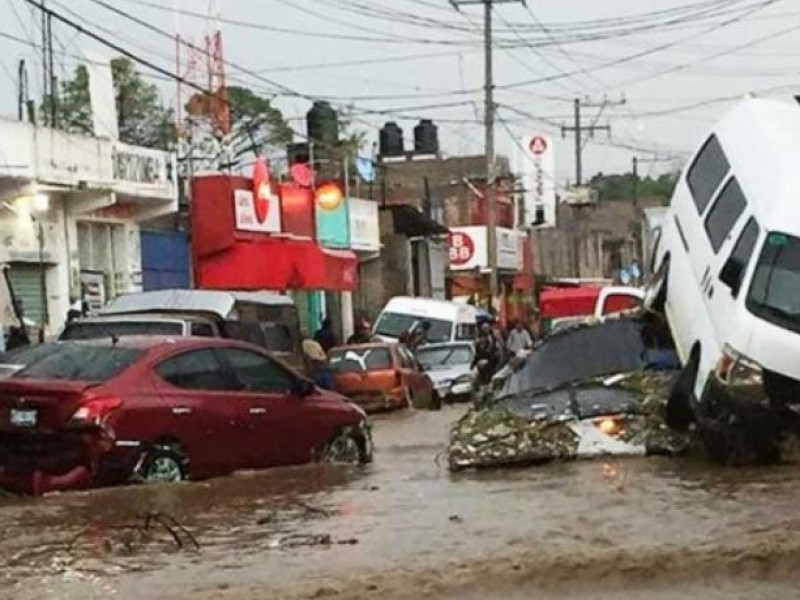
37	464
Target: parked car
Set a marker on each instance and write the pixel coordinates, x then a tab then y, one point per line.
380	376
449	367
449	321
727	267
165	409
267	319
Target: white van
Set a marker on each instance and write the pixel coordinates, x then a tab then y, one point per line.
450	321
727	264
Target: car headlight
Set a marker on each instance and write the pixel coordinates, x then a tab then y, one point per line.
735	369
444	384
466	378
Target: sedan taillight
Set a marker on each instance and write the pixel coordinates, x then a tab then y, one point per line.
94	411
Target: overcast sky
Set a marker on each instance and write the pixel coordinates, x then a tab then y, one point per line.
677	63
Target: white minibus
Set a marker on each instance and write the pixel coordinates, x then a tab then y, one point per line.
450	321
727	264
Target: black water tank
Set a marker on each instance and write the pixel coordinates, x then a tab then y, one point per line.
426	138
322	124
391	140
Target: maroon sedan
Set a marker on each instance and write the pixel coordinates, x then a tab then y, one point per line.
161	409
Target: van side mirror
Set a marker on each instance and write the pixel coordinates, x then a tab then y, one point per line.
731	275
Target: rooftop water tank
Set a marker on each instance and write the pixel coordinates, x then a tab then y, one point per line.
391	140
322	123
426	138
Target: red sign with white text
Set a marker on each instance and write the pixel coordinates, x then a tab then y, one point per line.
462	248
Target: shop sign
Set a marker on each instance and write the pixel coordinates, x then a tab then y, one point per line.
468	249
539	178
331	216
365	231
143	171
247	218
462	248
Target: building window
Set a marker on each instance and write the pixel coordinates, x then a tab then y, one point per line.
102	253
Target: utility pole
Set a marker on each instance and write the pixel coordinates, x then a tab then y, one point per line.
579	129
488	120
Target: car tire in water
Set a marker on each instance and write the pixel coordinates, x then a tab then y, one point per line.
162	464
679	404
656	294
345	448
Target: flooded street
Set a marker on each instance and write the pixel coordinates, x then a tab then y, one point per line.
405	527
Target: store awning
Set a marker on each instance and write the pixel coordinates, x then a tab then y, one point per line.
412	222
278	264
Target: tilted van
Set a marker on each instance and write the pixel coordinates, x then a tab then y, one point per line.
727	264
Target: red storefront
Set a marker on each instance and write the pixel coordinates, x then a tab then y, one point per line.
258	235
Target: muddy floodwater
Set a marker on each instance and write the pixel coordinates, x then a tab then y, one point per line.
404	527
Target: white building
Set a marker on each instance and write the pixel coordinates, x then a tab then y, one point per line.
87	196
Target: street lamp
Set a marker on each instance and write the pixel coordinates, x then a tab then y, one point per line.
39	206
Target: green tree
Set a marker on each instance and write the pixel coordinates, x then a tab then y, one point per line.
141	118
246	106
620	187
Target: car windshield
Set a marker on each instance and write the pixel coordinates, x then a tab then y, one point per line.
81	363
93	330
396	324
775	290
347	360
444	356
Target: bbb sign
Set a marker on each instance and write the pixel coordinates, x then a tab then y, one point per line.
462	248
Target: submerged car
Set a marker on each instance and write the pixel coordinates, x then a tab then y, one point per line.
590	391
165	409
380	377
449	367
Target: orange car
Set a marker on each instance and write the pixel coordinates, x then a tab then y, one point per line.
380	376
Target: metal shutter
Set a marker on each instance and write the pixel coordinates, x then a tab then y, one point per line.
27	285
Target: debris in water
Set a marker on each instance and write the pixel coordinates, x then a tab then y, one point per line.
625	417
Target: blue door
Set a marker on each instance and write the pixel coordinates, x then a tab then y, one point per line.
165	260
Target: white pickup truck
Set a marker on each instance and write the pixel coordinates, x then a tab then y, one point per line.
607	305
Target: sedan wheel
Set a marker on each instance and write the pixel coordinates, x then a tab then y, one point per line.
344	449
162	465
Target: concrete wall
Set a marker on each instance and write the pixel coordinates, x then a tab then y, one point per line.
589	242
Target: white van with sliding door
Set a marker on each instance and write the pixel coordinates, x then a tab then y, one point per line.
449	321
727	263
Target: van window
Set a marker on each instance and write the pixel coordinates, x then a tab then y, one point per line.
466	331
706	173
395	324
724	214
200	329
775	289
736	265
93	330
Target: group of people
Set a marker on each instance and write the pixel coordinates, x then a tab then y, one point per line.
493	348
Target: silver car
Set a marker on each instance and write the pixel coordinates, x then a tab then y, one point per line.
449	367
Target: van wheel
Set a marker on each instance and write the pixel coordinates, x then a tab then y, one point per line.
656	294
679	404
162	464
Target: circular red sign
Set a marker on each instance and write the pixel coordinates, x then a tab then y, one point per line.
538	145
462	248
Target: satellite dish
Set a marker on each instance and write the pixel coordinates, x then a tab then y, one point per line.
301	174
366	169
